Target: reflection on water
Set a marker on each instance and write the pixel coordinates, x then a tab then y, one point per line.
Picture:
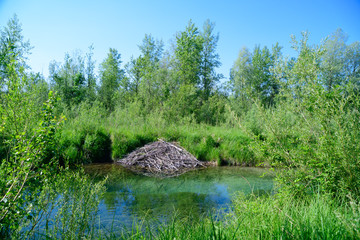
130	196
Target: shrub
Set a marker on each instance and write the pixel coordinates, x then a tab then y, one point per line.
97	147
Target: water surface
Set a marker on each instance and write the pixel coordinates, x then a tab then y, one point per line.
131	196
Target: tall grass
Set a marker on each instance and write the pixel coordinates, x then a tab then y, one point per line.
88	136
66	209
72	214
252	217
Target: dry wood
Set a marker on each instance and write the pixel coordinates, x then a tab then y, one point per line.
160	159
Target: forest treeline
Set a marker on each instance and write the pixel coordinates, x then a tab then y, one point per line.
182	81
298	113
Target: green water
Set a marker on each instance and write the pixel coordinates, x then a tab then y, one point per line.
131	197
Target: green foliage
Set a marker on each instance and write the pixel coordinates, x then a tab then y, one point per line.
112	79
312	132
66	208
97	147
145	73
85	146
270	217
13	48
255	217
188	55
125	142
90	77
4	149
340	62
73	215
27	130
210	60
300	115
221	144
68	79
212	111
183	81
32	163
182	104
83	139
74	80
251	77
19	112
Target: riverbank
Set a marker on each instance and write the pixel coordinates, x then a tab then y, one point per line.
86	139
194	194
251	213
78	210
161	214
316	217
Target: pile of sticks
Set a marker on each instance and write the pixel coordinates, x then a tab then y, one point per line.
160	159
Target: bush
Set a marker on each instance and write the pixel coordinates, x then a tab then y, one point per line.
312	132
66	209
4	148
97	147
85	146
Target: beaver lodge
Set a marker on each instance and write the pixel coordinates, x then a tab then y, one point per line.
160	158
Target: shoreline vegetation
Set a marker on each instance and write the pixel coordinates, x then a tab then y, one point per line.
300	115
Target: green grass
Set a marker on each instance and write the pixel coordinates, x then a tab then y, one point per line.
84	138
271	217
250	217
258	218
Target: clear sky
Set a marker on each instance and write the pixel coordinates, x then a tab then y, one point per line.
56	27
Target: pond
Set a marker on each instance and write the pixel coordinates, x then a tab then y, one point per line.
131	197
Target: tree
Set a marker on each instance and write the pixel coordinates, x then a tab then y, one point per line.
134	71
333	61
262	82
13	48
239	75
69	78
31	165
185	71
352	64
30	160
38	88
340	63
90	77
209	60
189	45
305	69
252	77
145	73
151	50
112	78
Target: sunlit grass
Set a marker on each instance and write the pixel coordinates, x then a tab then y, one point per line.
220	144
255	217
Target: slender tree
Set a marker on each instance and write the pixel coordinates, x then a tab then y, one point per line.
251	75
352	64
134	71
149	61
210	60
69	78
333	60
13	48
90	77
188	57
111	78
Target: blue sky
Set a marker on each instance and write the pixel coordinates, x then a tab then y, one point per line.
57	27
